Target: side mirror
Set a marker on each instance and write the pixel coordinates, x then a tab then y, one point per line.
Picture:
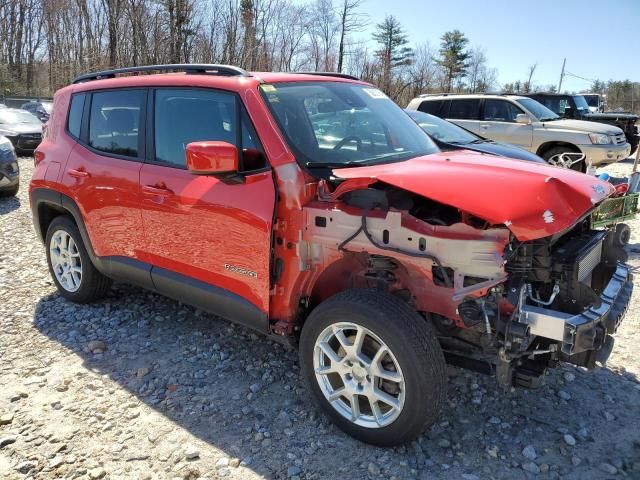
523	118
212	158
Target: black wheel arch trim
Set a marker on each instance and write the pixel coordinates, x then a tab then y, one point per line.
61	202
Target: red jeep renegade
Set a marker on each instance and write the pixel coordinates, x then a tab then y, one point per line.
311	207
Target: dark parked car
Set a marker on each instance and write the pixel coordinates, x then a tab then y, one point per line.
9	170
450	135
23	129
577	107
40	109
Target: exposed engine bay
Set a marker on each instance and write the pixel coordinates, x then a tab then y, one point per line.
501	306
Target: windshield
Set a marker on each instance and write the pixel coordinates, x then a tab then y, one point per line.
538	110
581	103
333	124
441	129
17	117
592	100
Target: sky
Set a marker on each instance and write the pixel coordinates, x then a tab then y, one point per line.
599	39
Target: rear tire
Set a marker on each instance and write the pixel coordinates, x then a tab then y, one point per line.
75	276
397	360
555	151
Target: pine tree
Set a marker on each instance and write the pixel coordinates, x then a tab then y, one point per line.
393	51
453	57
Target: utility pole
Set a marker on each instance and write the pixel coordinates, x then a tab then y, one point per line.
564	62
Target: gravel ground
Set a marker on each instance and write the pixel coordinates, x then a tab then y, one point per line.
138	386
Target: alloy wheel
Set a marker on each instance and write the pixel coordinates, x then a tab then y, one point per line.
359	375
65	261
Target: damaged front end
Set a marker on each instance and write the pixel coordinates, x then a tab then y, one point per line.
514	283
567	297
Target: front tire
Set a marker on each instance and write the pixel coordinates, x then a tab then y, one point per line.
75	276
553	157
374	366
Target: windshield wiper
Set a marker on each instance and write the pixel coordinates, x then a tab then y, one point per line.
356	163
549	119
353	163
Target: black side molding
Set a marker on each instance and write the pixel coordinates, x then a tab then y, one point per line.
210	298
128	270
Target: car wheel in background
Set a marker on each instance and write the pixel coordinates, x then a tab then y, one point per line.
623	234
554	156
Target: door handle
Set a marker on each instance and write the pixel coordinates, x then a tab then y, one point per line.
152	190
78	173
484	125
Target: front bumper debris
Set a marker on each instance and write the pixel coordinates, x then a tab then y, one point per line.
591	329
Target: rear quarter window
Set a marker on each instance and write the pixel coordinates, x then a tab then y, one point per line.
74	121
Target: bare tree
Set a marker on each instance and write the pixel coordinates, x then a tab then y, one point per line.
350	21
527	87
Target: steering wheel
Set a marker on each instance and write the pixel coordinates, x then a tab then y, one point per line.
346	140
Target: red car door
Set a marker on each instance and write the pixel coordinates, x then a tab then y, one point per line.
209	242
103	170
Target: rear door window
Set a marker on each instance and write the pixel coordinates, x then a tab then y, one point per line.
114	121
464	109
500	111
431	106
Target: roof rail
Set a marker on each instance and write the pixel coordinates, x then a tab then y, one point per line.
327	74
464	93
194	68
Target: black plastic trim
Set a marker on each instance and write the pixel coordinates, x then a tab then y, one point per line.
328	74
211	69
128	270
210	298
42	196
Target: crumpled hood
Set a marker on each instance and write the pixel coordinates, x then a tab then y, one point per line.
583	126
532	200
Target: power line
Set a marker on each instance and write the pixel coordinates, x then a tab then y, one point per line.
578	76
